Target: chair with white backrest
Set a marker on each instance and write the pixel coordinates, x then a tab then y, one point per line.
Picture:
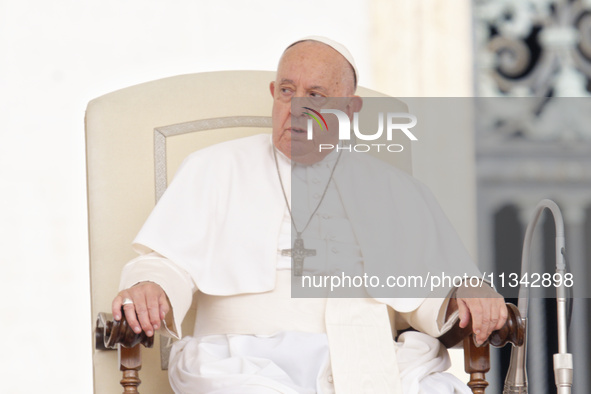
135	140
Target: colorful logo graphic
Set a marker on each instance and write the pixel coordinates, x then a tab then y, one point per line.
316	119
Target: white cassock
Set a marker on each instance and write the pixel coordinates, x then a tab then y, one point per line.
210	232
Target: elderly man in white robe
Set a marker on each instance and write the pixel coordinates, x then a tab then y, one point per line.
226	233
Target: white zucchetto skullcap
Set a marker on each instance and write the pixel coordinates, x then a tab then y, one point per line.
340	48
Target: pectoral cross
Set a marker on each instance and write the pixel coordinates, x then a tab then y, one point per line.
298	254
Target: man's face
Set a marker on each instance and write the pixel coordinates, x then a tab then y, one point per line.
312	72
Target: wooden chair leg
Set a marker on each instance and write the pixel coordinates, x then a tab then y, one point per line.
110	335
130	363
476	363
477	359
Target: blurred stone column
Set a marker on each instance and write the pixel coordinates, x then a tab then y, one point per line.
423	48
536	323
574	218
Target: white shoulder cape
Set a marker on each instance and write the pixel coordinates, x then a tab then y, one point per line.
225	202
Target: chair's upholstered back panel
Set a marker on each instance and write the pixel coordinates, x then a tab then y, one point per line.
120	134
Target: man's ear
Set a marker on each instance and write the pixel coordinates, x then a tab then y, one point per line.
355	105
272	88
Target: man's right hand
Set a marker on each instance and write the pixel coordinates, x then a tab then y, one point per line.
150	306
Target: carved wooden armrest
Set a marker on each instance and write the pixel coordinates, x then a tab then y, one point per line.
477	358
111	335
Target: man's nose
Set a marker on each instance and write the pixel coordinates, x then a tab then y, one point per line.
298	104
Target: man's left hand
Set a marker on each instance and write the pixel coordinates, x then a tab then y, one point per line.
484	306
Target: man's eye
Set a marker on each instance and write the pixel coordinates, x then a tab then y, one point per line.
317	99
285	90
